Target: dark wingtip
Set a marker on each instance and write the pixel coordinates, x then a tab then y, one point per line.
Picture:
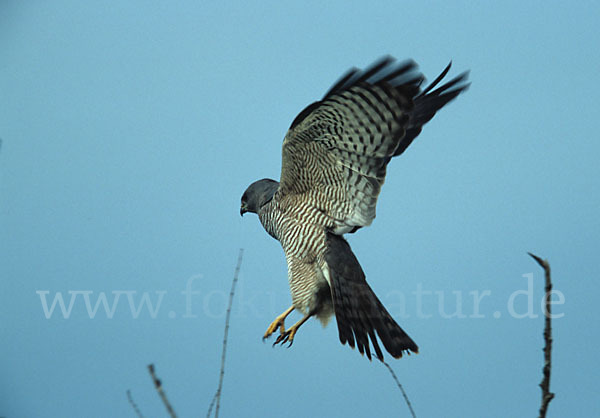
437	80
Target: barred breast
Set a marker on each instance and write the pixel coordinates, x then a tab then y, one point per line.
301	228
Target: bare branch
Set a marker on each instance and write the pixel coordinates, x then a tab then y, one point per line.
217	397
412	412
134	405
161	392
547	396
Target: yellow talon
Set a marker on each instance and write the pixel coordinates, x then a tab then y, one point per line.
279	322
288	336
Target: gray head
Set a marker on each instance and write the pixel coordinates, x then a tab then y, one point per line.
257	194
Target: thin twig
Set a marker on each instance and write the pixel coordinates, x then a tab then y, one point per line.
134	405
217	397
161	392
410	408
212	404
547	396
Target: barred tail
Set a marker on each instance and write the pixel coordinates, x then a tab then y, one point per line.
358	312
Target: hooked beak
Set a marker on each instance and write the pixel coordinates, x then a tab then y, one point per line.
243	209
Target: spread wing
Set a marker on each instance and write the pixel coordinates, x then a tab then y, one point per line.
337	149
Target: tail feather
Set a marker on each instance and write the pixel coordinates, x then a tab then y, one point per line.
359	313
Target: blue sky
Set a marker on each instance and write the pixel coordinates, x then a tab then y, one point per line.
130	130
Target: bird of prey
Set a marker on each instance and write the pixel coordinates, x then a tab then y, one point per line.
334	160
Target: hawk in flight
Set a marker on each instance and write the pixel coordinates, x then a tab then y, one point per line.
334	160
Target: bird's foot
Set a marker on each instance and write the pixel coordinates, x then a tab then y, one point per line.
279	322
287	336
